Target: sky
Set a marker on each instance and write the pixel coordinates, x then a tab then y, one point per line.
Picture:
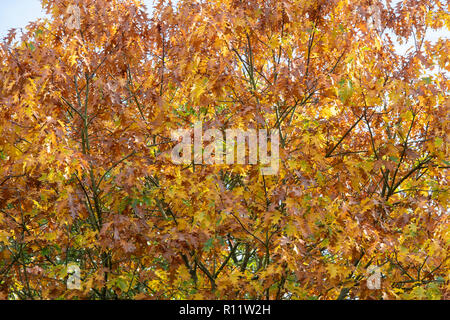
17	14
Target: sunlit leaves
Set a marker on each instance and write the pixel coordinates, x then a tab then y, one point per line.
86	176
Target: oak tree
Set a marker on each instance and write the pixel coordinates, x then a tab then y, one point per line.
87	109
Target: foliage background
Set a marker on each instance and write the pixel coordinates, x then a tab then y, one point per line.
86	175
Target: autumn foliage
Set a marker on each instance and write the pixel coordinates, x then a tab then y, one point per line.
86	176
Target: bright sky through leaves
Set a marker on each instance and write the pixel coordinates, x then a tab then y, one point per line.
17	14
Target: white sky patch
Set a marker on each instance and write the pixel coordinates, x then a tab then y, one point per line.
18	13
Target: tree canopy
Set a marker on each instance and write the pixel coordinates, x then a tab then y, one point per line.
88	104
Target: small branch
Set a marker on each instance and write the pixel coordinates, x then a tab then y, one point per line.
343	137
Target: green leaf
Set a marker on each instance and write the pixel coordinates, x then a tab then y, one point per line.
208	244
122	284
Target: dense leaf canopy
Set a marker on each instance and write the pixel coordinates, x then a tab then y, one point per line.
86	176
